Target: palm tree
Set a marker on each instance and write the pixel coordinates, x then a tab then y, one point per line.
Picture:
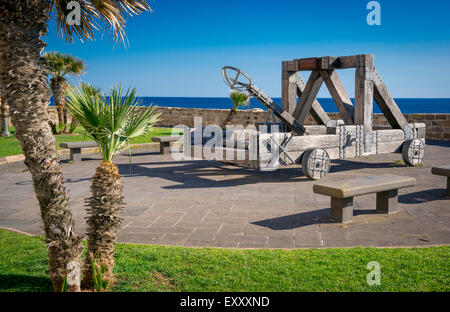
239	99
111	121
24	83
59	65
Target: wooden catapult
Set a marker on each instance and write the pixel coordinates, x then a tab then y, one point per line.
314	146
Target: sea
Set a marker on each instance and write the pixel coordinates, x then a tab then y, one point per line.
407	105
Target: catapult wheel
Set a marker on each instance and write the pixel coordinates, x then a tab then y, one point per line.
316	163
235	78
412	152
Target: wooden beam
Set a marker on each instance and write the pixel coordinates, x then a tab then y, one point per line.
288	88
317	112
364	104
386	102
352	61
283	115
313	141
331	62
308	96
290	66
364	60
339	95
308	63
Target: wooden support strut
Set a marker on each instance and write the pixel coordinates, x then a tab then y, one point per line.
339	95
368	86
386	103
308	96
293	86
364	104
288	88
317	112
283	115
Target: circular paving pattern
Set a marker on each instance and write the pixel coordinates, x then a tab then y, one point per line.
202	203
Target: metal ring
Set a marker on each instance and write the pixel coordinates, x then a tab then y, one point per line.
234	83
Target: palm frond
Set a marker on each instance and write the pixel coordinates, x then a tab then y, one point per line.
110	120
110	13
239	98
89	20
59	64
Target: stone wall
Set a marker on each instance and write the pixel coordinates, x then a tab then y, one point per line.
437	125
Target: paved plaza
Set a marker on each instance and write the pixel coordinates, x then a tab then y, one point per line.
204	203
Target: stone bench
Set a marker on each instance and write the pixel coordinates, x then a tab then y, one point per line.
342	192
75	148
443	171
164	142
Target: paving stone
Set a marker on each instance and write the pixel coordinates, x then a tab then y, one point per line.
231	229
226	244
148	238
173	239
143	221
202	234
281	233
168	219
134	211
309	227
376	218
238	220
252	245
308	239
136	230
209	226
281	242
438	236
223	238
252	241
169	229
252	229
334	237
194	216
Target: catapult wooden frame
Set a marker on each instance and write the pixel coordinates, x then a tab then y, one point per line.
353	136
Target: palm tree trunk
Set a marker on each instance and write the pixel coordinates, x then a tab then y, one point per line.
229	117
58	86
104	208
64	130
24	82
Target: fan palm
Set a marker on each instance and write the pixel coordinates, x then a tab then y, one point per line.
111	121
59	65
239	99
24	83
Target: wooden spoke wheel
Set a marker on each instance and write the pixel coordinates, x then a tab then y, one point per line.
235	78
316	163
413	151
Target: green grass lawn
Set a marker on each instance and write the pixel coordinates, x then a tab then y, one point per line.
10	145
23	267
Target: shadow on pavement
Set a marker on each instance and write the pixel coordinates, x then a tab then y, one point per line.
302	219
422	196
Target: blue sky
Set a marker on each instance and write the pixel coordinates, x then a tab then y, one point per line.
179	49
